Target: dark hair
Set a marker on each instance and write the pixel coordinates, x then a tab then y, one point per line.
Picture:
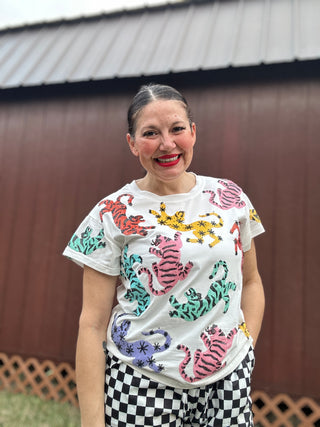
149	93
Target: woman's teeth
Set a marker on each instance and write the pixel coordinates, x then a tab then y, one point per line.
168	160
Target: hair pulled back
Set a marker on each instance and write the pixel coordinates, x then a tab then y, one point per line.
149	93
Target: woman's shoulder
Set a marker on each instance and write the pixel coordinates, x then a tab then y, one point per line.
123	195
223	183
126	190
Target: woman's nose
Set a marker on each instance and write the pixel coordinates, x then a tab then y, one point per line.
167	142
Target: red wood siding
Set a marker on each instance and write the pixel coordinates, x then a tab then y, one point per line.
59	156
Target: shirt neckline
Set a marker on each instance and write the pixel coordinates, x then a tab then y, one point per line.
178	196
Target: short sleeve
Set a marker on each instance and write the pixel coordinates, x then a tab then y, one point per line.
250	224
90	246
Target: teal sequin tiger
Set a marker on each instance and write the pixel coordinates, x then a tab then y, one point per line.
137	291
85	243
198	306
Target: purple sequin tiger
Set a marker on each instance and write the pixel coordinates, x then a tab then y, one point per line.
142	351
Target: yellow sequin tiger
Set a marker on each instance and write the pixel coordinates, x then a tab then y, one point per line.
200	228
244	329
254	216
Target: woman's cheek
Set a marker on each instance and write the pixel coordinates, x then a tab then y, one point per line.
148	148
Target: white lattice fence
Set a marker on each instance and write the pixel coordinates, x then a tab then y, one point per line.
44	379
282	411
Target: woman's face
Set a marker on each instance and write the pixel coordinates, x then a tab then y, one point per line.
164	139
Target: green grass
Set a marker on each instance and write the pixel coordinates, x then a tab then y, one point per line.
18	410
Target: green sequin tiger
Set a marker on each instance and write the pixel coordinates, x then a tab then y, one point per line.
137	291
85	243
198	306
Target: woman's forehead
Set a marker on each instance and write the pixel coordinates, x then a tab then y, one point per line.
162	110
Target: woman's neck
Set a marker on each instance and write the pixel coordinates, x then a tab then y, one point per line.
184	184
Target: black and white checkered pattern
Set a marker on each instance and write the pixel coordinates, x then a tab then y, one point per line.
133	400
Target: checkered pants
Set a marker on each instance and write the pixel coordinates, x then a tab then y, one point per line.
133	400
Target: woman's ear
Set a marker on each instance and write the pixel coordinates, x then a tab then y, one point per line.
194	132
132	145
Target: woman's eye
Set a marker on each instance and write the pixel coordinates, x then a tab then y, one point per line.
149	133
177	129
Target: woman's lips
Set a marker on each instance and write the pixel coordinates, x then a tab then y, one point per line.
168	160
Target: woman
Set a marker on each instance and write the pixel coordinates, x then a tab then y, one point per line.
179	342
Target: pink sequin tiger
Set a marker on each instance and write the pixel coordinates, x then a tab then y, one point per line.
209	361
229	196
169	270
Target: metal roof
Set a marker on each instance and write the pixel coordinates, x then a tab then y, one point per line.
158	40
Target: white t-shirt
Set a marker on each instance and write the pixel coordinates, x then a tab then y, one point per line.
178	319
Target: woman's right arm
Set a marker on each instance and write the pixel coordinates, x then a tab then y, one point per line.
98	296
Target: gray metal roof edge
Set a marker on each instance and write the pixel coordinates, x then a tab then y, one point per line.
207	35
261	67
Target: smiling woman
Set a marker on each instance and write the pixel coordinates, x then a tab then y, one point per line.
162	136
179	340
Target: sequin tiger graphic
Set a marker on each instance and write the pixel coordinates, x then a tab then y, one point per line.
206	363
229	196
127	225
142	351
199	228
137	291
196	305
254	216
86	244
237	240
169	270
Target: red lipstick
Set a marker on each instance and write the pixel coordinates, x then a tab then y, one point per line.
168	160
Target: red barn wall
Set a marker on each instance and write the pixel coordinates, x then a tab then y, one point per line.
60	154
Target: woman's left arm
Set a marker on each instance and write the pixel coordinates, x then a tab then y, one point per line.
253	300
